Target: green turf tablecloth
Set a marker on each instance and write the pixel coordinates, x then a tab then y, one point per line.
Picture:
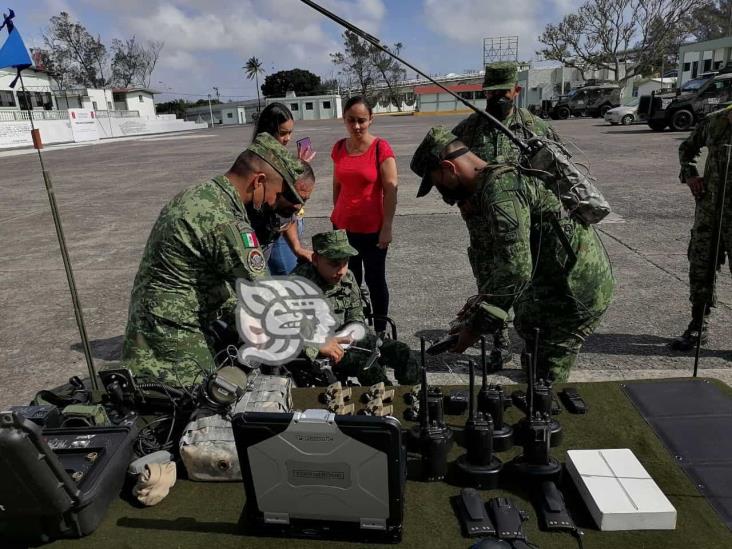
207	514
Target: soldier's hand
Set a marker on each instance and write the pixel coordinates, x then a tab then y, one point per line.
332	349
466	338
305	255
696	184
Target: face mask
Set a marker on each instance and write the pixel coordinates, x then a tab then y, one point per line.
499	107
453	196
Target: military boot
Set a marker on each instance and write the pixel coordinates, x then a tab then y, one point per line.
688	340
501	352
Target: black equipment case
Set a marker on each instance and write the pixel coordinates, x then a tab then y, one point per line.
58	482
316	474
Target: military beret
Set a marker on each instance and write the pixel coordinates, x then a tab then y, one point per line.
333	245
275	154
500	76
428	155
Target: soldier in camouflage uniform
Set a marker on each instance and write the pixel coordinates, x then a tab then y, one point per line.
329	271
489	144
200	244
552	269
714	132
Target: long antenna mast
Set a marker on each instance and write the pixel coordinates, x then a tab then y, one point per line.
523	147
78	314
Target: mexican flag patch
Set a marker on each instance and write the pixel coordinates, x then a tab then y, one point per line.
250	240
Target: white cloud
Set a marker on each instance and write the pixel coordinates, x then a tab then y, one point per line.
469	21
281	33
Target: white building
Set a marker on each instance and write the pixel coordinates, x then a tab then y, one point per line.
701	57
141	100
311	107
38	91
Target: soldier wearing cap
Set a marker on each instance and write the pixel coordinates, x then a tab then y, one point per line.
200	244
329	271
480	135
553	270
714	133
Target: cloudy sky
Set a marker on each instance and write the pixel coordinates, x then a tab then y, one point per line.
208	41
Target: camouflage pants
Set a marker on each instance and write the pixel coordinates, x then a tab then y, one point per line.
703	242
394	354
563	327
172	353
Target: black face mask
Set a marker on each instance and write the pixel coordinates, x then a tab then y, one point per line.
453	196
499	106
265	221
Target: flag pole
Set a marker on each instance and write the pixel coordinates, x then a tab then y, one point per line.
62	244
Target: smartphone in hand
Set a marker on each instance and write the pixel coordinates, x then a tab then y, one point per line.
304	149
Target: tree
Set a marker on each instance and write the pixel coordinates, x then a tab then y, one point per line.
712	20
134	62
356	62
391	72
74	55
634	35
253	69
300	81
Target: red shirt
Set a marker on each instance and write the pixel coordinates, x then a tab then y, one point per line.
360	204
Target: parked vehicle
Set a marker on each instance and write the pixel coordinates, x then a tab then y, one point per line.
680	110
593	100
624	114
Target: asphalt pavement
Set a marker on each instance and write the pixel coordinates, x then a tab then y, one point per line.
109	194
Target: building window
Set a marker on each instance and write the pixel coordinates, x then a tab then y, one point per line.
707	65
687	67
30	100
308	105
7	99
229	115
94	106
109	105
139	98
326	104
467	95
294	107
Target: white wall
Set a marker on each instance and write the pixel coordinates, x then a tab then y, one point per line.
145	106
102	98
34	82
16	134
323	107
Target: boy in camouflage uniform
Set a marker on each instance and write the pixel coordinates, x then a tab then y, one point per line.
329	271
489	144
200	244
714	132
559	283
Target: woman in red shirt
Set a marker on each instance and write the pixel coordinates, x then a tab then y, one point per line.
364	200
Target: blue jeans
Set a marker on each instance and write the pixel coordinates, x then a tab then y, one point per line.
282	260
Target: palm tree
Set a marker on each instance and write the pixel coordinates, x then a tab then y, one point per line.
253	69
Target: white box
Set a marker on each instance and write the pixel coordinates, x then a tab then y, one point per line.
618	491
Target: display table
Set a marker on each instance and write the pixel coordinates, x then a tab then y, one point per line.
207	514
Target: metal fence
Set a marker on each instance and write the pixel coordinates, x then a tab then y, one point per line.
21	116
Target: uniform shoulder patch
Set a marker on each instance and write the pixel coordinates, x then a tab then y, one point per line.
250	239
255	260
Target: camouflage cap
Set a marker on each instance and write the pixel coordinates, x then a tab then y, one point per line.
428	155
500	76
290	168
333	245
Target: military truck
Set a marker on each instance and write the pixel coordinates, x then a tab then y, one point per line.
680	110
591	100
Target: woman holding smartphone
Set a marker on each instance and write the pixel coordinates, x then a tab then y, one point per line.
364	200
284	252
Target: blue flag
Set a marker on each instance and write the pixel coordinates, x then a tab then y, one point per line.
13	53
